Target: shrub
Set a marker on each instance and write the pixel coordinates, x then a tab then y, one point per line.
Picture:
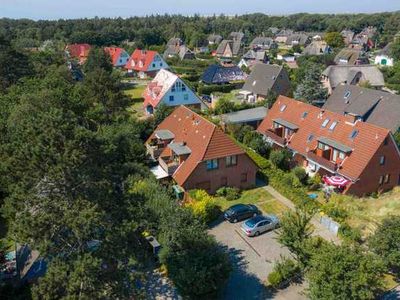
204	206
333	210
291	180
301	174
230	193
284	271
275	279
315	182
281	159
209	89
349	233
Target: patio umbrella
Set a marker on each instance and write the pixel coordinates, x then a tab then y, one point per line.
337	181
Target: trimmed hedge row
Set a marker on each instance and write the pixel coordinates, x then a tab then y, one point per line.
209	89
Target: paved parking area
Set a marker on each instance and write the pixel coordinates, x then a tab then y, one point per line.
253	259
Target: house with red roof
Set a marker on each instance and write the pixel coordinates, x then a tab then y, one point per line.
197	154
119	57
169	89
79	52
334	145
145	63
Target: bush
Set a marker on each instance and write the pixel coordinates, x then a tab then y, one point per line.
315	182
350	234
291	180
281	159
204	206
209	89
301	174
335	211
275	279
230	193
284	271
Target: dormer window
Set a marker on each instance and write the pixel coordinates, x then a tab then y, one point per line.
325	123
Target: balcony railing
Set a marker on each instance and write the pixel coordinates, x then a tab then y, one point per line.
322	161
154	150
276	138
169	166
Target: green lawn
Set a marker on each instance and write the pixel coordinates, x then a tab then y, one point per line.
137	99
259	197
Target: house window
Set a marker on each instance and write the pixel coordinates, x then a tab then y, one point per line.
381	179
186	97
342	155
304	115
231	160
310	138
335	155
171	98
386	141
212	164
333	125
243	177
154	65
160	64
347	95
173	90
382	160
387	178
283	107
320	146
183	88
326	121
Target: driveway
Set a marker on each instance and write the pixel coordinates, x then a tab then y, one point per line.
253	259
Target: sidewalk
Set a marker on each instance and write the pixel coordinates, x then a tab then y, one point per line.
319	229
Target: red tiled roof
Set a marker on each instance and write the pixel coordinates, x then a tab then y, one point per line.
363	146
115	53
141	60
205	140
78	50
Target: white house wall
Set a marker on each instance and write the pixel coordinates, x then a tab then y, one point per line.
179	97
157	64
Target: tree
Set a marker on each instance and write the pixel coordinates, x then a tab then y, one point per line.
294	232
386	242
98	59
255	141
281	158
13	64
334	40
311	89
344	272
395	50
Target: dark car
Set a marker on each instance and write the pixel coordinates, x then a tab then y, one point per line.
240	212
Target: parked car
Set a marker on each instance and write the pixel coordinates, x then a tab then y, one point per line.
240	212
259	224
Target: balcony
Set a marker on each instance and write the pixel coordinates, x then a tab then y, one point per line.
275	137
322	161
169	165
154	150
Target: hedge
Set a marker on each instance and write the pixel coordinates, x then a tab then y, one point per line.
223	88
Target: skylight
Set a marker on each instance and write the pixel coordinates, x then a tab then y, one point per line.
347	95
326	121
353	134
333	125
283	107
310	138
304	115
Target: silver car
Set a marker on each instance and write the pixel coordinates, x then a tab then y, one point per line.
259	224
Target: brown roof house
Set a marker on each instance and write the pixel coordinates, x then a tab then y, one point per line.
353	57
197	154
324	142
372	106
354	75
265	79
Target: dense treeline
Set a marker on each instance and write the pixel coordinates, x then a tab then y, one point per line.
157	29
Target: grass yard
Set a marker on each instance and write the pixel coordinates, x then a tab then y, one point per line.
366	213
136	95
259	197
